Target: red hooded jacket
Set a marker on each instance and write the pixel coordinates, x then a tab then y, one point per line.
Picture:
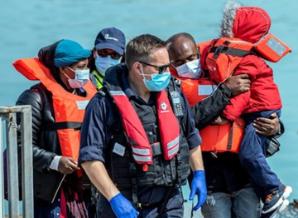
251	24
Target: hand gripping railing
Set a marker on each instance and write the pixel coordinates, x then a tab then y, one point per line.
8	137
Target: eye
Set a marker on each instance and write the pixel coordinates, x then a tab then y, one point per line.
115	56
177	63
192	57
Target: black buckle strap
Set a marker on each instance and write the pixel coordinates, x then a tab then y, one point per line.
63	125
156	149
229	51
230	138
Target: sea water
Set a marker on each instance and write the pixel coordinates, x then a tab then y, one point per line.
26	26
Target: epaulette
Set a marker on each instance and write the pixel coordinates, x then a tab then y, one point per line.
101	92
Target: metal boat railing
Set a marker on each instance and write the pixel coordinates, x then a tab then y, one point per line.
9	140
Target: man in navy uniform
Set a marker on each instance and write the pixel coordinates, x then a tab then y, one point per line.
139	139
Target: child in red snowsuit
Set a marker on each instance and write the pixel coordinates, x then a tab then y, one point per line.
250	24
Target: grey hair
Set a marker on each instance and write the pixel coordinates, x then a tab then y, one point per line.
228	18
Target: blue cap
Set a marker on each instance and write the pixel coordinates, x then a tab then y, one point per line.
110	38
69	52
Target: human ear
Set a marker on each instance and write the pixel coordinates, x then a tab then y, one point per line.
136	66
94	53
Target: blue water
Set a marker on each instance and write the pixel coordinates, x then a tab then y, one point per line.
28	25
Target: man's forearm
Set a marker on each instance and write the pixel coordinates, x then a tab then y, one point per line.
196	160
100	178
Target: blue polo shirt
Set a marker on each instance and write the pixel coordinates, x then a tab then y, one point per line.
101	113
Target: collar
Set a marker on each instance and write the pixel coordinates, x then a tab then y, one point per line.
97	79
130	93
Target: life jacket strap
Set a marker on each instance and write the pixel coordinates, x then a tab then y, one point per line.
229	51
156	149
63	125
230	138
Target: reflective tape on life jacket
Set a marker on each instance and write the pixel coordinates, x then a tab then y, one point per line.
195	90
215	138
138	139
271	48
225	54
69	109
142	152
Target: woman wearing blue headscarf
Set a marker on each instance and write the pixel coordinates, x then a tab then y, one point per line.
58	104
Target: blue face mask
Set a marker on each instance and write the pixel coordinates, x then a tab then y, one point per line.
158	82
103	63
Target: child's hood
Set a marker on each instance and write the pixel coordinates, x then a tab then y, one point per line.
246	23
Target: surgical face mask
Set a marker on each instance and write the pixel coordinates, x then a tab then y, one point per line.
158	82
103	63
81	78
191	69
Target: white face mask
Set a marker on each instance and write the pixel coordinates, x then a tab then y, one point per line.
81	78
191	69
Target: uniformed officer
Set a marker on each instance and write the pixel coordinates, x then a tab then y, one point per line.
138	138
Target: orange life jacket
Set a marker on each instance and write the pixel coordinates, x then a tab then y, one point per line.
203	48
196	90
137	137
225	54
220	58
272	48
69	109
223	138
215	138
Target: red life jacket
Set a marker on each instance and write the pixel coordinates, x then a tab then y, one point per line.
137	137
69	109
225	54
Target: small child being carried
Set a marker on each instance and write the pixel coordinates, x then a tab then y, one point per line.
244	44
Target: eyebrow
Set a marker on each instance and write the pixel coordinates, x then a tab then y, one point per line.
82	65
153	65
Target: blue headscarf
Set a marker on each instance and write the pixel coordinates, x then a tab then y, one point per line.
69	52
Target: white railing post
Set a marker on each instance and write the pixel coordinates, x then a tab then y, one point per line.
9	114
12	165
27	162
